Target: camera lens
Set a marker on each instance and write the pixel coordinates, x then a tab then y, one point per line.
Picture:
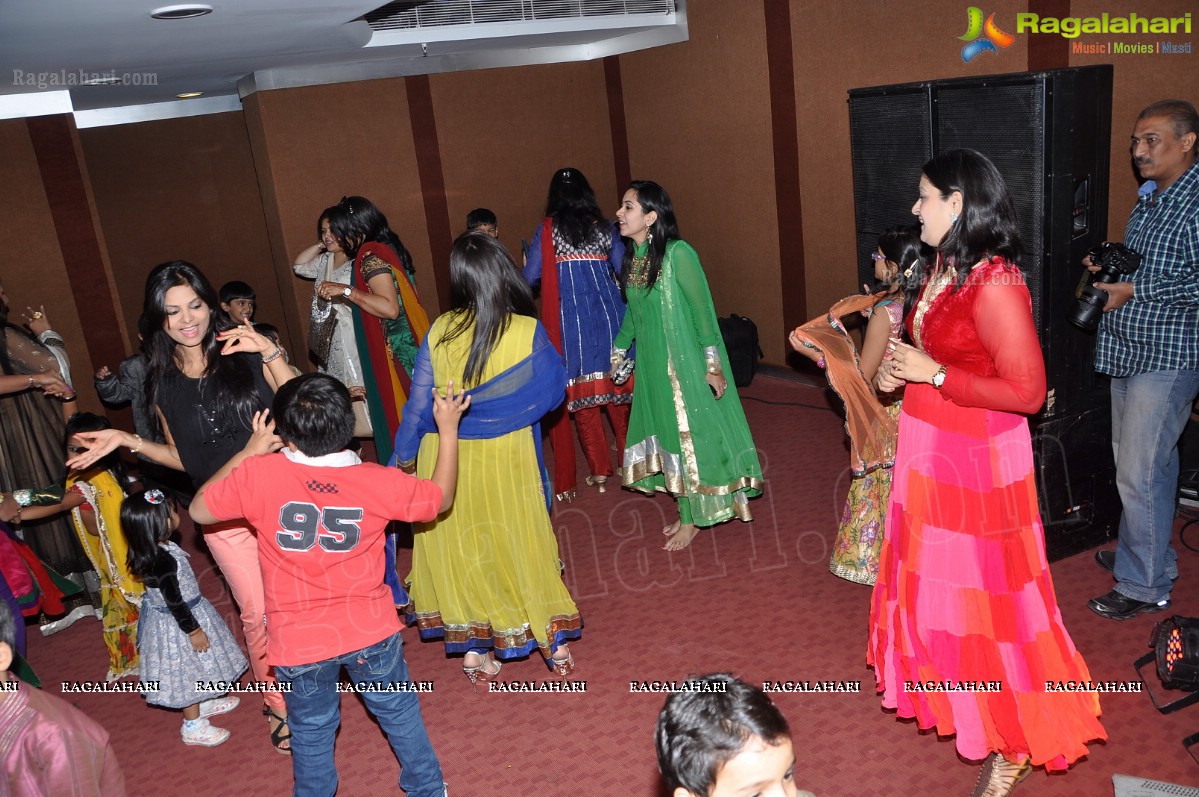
1087	311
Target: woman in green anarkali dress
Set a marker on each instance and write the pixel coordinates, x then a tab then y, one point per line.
687	433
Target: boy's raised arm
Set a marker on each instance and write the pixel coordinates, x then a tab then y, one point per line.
447	412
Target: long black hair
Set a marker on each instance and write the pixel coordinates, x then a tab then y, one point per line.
571	204
987	224
902	246
90	422
355	221
146	523
232	377
651	197
486	288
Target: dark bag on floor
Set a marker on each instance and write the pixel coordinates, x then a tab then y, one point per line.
741	341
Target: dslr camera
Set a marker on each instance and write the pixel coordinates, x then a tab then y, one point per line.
1114	261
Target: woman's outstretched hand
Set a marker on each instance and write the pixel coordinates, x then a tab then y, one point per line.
99	444
244	338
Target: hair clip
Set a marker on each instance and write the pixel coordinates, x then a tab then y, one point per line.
345	201
566	175
907	272
154	497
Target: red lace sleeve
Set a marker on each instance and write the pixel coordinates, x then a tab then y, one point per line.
1003	320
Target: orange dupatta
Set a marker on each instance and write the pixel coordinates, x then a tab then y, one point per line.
872	432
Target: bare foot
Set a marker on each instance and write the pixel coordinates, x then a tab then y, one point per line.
682	536
670	530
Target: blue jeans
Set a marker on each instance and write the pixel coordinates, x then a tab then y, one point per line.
1149	412
314	714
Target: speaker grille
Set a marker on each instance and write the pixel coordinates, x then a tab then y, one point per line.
1006	123
890	137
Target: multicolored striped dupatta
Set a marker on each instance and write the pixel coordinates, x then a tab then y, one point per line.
387	347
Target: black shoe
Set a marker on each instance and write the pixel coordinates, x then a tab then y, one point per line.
1106	560
1115	606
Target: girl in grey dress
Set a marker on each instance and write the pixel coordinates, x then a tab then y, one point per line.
184	645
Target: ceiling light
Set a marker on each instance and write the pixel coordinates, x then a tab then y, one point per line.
188	95
181	12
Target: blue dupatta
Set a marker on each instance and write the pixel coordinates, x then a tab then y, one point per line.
514	399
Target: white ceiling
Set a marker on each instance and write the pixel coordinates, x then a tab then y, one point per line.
251	45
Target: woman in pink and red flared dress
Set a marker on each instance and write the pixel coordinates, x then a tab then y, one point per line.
964	596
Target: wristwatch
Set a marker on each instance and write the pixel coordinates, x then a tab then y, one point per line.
939	377
346	291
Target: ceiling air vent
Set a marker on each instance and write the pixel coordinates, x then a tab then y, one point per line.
406	14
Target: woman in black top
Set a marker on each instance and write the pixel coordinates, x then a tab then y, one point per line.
206	385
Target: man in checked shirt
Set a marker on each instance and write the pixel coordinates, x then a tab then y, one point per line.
1149	344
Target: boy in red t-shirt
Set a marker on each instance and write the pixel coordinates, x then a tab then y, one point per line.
321	515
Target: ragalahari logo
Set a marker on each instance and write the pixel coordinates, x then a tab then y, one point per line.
982	37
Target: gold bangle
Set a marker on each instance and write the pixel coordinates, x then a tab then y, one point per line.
138	447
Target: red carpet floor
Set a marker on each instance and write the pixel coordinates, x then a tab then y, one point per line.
754	599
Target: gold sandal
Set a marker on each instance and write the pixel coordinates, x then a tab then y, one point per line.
999	776
600	483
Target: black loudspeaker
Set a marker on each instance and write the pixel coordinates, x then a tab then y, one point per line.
1076	479
1048	133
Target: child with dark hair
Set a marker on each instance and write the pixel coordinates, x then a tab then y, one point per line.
484	221
329	513
725	738
185	647
238	301
93	497
48	746
871	419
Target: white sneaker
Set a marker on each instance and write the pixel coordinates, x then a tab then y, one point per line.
205	734
218	705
